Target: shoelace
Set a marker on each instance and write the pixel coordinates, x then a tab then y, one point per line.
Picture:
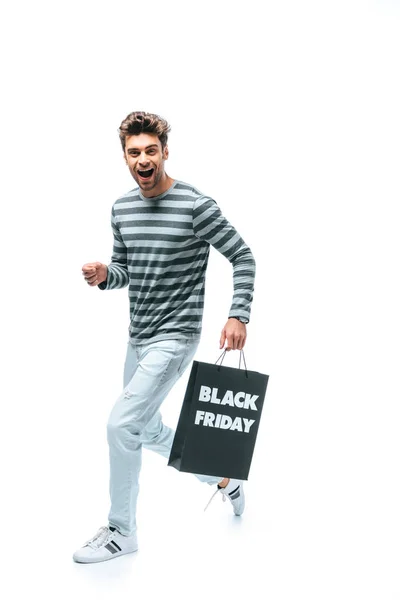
100	538
211	499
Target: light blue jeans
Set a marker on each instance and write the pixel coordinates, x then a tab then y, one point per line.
150	372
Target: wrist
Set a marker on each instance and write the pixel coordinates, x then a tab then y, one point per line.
241	319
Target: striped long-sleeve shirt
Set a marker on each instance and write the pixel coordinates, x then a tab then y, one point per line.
161	249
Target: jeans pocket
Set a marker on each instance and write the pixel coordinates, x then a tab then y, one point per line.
188	353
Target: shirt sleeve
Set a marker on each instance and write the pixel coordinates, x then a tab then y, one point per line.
210	225
117	270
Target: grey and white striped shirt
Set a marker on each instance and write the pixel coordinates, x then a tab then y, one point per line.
161	248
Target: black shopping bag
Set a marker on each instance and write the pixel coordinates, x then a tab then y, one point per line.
219	420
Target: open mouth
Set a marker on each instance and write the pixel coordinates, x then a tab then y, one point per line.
146	174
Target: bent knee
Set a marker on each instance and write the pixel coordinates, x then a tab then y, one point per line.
117	430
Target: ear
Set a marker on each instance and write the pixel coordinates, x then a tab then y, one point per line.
125	159
165	153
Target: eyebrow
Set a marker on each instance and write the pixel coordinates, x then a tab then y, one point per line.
147	147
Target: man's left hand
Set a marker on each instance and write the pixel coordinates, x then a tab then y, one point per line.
234	333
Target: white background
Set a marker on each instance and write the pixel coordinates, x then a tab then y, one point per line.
287	113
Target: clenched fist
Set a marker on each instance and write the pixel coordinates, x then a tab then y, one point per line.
94	273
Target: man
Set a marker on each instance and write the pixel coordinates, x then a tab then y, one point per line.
162	234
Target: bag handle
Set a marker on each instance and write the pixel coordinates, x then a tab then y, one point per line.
240	358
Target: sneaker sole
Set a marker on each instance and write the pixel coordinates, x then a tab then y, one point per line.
96	560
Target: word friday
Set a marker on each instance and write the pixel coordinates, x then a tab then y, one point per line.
222	421
240	399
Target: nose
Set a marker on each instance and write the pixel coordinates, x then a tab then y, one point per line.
143	160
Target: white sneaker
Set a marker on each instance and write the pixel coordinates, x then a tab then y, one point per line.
104	545
234	491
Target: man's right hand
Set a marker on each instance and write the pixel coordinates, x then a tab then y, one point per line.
94	273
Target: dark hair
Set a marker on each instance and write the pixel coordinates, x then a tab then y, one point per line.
143	122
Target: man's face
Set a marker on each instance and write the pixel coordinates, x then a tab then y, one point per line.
145	159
